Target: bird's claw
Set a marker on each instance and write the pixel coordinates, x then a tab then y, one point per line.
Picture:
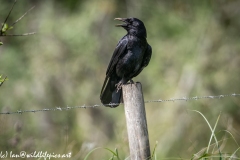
119	86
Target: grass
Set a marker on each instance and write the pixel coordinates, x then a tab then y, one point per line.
211	152
205	153
114	156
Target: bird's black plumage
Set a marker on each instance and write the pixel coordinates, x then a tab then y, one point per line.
131	55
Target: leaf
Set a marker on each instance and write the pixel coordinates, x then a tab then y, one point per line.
5	27
10	28
2	79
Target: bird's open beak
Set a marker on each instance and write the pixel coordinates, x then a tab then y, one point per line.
123	20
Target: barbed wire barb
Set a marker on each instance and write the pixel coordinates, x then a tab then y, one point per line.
101	105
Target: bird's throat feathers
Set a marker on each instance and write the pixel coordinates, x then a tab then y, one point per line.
139	33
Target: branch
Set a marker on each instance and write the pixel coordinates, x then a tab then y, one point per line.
3	30
24	34
21	17
7	17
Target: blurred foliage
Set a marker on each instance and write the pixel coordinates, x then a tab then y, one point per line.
195	52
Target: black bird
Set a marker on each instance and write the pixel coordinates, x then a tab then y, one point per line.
131	55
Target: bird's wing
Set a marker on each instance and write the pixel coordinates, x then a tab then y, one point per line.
146	59
119	51
147	56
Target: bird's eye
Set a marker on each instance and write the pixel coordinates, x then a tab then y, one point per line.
130	21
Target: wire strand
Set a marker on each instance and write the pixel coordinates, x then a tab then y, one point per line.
101	105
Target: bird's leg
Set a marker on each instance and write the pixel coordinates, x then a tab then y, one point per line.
119	85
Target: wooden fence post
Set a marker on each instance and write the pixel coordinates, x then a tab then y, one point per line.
136	122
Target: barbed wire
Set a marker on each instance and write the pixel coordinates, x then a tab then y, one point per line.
112	104
194	98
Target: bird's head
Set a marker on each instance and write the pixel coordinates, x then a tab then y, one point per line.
133	26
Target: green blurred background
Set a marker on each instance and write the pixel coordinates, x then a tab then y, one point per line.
195	53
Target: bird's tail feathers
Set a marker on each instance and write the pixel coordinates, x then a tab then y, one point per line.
109	96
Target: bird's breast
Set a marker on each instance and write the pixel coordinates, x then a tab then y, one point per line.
131	61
